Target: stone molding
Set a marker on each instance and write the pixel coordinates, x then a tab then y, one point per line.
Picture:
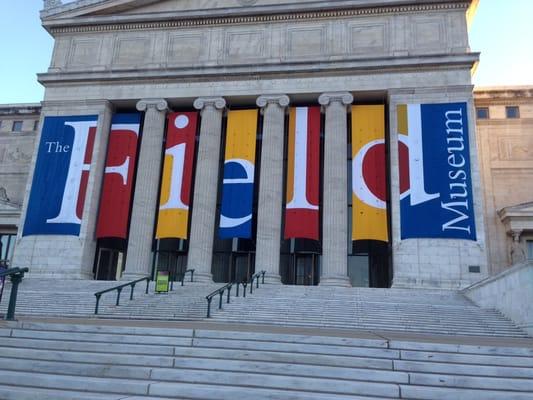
345	98
158	104
202	102
281	100
198	21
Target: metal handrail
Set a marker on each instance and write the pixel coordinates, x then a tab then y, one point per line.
185	273
119	290
183	278
15	274
227	287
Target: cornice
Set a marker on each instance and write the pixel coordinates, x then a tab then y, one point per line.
293	69
249	16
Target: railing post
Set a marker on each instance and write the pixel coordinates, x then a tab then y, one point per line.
147	284
192	275
237	291
263	277
97	302
229	293
183	278
220	294
118	295
257	282
132	289
252	285
15	280
244	284
209	299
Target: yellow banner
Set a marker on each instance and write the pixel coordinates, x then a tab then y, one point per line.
369	179
241	135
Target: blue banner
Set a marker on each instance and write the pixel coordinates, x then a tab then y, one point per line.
61	175
239	169
437	198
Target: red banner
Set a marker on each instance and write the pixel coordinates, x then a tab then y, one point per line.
176	184
117	188
303	174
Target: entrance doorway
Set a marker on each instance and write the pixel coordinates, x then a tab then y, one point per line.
109	265
305	269
242	266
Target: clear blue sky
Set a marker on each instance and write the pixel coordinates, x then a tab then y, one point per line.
502	32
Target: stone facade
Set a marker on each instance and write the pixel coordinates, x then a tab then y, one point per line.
112	55
504	127
18	127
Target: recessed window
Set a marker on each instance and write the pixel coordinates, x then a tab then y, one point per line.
529	249
36	125
482	113
17	126
512	112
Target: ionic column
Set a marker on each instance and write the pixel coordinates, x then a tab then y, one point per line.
270	186
139	256
205	187
335	212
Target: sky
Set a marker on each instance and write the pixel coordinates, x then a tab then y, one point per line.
501	31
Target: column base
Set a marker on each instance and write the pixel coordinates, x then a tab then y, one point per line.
339	280
204	277
272	278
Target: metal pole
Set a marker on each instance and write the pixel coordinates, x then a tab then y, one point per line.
132	289
147	284
118	295
97	302
220	294
209	306
229	292
15	280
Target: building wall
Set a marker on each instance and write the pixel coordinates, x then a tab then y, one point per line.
506	157
107	57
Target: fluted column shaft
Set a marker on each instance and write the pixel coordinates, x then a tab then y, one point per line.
270	187
335	213
139	256
205	190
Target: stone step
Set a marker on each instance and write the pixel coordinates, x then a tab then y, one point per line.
8	392
439	393
77	383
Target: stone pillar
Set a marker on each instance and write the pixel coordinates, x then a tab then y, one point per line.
139	256
205	188
65	256
335	212
271	186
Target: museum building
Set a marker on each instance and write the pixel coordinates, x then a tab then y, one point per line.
325	142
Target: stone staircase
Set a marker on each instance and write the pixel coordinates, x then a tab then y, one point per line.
134	360
423	311
75	298
406	310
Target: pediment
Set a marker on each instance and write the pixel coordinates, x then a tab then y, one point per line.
7	207
524	208
93	11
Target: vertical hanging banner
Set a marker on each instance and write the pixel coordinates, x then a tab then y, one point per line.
239	168
173	218
369	178
117	187
57	197
436	198
303	174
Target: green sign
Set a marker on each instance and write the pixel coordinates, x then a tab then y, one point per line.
161	282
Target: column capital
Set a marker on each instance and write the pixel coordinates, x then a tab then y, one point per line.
281	100
202	102
158	104
345	98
